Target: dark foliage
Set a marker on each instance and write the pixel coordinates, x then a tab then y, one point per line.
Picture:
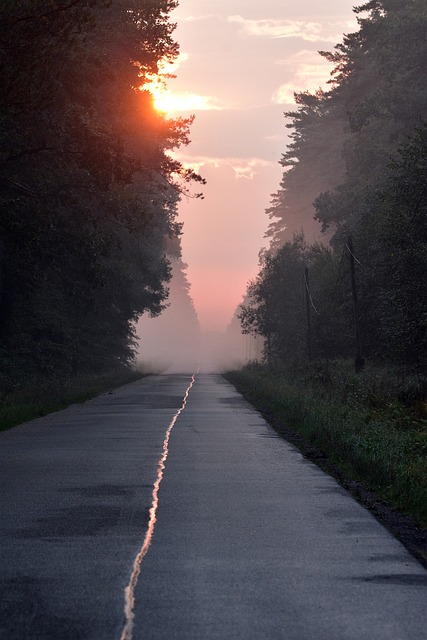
88	192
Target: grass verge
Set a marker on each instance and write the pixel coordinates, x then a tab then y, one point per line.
356	429
43	398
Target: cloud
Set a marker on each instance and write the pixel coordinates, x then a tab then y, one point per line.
274	28
172	103
247	168
196	18
166	67
309	71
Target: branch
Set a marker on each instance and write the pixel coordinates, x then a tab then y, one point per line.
40	16
21	187
27	152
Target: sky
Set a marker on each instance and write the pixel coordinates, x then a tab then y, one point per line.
240	62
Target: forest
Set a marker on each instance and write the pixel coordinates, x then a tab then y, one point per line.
355	173
88	187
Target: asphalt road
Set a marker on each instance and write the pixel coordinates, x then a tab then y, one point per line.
245	539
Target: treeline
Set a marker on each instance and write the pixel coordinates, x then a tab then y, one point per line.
88	191
357	164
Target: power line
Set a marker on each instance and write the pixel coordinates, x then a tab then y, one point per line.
339	274
352	254
309	294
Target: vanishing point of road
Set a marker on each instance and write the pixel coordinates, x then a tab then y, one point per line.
169	510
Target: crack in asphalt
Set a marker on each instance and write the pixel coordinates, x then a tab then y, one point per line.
136	570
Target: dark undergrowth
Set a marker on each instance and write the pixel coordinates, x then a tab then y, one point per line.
42	397
369	430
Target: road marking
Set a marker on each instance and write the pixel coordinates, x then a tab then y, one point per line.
130	589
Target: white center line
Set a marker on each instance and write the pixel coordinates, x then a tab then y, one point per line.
130	589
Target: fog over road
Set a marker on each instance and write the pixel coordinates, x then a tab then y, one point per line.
249	541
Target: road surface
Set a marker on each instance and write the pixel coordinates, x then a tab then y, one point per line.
170	510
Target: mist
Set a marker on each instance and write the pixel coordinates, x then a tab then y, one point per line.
175	341
166	346
168	342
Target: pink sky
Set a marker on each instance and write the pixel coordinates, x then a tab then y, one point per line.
240	62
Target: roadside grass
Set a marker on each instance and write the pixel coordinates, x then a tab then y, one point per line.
42	398
357	422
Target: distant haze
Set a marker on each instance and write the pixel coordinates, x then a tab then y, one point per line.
174	341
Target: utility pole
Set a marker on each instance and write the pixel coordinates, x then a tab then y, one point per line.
359	362
308	313
268	320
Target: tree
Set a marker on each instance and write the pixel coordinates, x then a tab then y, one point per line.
276	303
313	163
342	139
392	240
379	80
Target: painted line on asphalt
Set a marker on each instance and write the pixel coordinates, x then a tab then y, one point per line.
130	589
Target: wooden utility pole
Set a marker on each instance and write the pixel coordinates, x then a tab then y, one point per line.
359	362
308	313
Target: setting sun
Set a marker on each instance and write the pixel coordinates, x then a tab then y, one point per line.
167	101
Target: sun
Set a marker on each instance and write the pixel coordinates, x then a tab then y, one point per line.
171	102
164	100
167	101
